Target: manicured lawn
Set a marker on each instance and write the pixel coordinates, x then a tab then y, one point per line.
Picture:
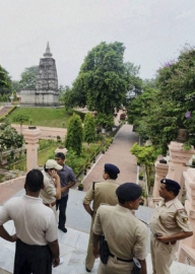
48	117
49	153
43	156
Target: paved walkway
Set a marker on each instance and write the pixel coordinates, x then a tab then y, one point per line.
10	188
119	155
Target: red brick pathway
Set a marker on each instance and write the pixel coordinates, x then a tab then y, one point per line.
4	110
10	188
118	154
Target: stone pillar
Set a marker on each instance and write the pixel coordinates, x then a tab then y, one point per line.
61	149
31	136
160	173
186	251
178	160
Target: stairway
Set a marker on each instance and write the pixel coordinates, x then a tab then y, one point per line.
73	244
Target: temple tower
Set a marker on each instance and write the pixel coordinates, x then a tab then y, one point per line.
46	90
47	81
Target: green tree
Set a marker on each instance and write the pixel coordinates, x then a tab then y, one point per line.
104	121
89	128
104	79
16	86
28	78
146	156
5	98
65	96
21	118
74	135
9	138
176	83
5	81
140	105
171	106
15	95
134	83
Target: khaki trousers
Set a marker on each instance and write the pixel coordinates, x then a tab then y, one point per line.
162	256
90	259
115	266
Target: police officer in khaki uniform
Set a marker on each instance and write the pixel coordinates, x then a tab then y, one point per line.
168	225
100	192
125	234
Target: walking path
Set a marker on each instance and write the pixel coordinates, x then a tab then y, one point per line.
119	155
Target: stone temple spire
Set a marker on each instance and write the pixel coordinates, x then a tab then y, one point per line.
47	53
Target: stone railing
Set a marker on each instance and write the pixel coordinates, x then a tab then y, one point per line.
178	170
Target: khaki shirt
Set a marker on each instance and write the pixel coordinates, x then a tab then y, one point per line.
49	192
105	192
126	235
170	218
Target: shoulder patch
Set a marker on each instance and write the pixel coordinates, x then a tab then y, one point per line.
181	211
185	220
182	215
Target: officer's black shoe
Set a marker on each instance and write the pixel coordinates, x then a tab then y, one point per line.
62	228
88	270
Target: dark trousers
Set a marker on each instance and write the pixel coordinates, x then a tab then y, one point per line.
61	204
32	259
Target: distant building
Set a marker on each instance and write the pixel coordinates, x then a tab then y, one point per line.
46	92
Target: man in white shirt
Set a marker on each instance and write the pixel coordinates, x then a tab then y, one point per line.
36	232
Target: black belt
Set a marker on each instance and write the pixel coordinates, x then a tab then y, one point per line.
128	261
51	204
172	243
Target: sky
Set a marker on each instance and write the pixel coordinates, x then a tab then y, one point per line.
153	32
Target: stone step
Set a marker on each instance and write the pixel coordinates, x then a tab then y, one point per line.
73	244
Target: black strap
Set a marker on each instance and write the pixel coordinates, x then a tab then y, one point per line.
128	261
93	188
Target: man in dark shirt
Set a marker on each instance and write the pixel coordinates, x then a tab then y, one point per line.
67	180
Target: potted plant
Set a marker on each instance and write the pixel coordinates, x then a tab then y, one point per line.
80	187
162	161
141	175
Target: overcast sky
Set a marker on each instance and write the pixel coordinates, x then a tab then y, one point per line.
153	32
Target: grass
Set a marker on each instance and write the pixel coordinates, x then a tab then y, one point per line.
43	156
48	117
49	153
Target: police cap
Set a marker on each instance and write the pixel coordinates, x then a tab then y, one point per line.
111	169
171	183
129	191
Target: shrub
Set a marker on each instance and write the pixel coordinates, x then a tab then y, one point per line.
74	135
